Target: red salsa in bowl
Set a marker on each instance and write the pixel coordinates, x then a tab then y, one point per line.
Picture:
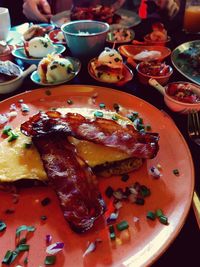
154	68
183	92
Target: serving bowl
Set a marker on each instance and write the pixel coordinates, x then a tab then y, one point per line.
174	104
149	41
14	84
85	38
162	75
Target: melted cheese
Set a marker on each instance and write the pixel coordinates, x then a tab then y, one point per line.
18	162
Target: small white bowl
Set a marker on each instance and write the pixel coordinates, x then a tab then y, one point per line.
14	84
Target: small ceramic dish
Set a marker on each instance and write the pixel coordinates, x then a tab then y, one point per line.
76	64
14	84
131	51
127	73
19	53
7	55
159	71
149	41
57	37
120	36
172	102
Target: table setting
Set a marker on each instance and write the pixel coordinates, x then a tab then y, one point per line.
99	144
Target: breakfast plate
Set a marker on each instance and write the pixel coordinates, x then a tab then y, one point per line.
147	239
126	72
185	59
76	64
19	53
128	18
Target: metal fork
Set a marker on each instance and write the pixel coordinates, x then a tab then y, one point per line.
194	126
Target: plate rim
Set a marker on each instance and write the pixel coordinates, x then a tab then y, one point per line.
187	206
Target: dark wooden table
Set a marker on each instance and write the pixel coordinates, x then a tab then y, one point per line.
184	251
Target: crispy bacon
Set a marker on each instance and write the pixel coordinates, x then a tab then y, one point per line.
73	181
99	130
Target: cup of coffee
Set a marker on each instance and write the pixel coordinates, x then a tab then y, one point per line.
4	23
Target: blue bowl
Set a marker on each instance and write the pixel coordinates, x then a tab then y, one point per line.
85	38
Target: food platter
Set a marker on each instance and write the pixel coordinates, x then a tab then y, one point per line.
148	239
186	64
128	18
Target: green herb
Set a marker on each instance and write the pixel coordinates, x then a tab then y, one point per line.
50	260
6	129
98	114
26	260
163	219
145	191
176	172
2	226
70	102
117	59
139	201
159	213
23	247
111	229
22	241
102	105
12	136
24	228
28	145
7	257
148	127
112	236
53	67
151	215
122	225
115	118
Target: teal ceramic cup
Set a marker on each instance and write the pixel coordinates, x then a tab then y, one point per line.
85	38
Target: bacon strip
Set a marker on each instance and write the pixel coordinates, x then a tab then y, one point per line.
100	131
73	182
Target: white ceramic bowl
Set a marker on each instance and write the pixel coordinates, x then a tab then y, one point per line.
85	38
11	86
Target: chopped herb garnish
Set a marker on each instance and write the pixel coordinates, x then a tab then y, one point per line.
102	105
28	145
145	191
12	136
2	226
24	228
176	172
22	241
69	101
7	257
23	247
163	219
50	260
122	225
117	59
6	129
148	127
26	260
139	201
114	117
46	201
53	67
98	114
159	213
151	215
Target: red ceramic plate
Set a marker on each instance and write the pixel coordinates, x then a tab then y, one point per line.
132	50
53	34
148	239
127	73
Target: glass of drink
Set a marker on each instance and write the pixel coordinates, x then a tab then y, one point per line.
191	23
4	23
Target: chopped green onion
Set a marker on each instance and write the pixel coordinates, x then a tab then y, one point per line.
145	191
159	213
98	114
176	172
112	236
122	225
50	260
2	226
22	241
111	229
24	228
69	101
28	145
151	215
163	219
115	118
23	247
148	127
26	260
131	117
135	114
12	136
7	257
6	129
102	105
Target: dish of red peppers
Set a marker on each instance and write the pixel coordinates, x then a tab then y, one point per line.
182	92
154	68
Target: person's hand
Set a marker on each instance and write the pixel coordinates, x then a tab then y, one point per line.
37	10
171	6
